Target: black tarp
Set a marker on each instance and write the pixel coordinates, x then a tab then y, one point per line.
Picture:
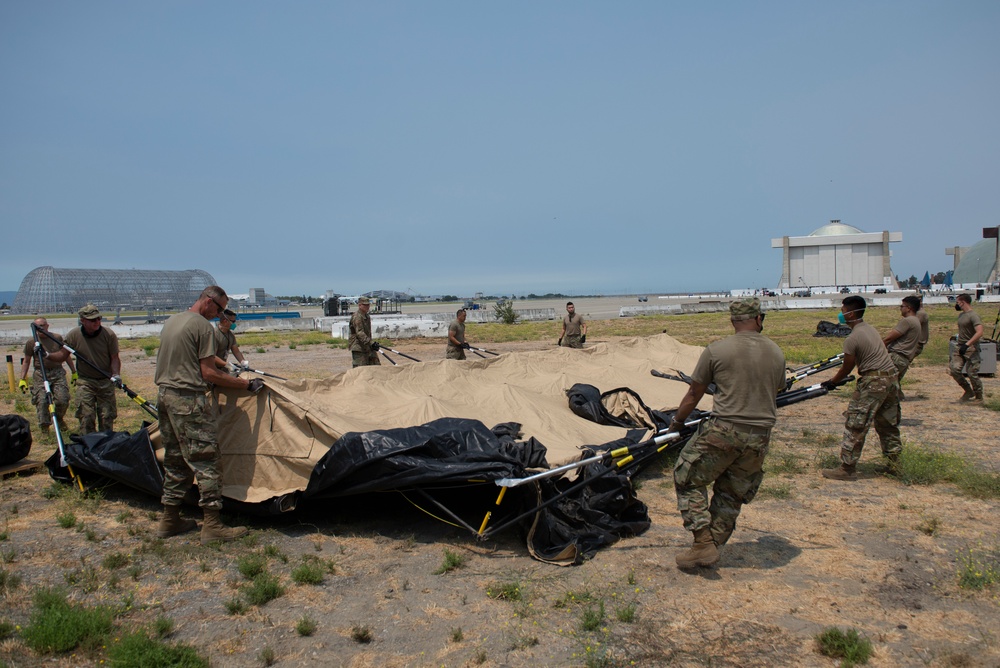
448	450
439	453
15	439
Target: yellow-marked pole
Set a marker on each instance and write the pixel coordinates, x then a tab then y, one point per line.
10	373
489	513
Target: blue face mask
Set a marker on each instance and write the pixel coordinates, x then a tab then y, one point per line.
841	319
232	327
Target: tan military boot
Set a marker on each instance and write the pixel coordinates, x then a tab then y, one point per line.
844	472
702	553
171	523
968	396
213	528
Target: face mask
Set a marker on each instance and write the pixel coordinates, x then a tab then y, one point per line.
843	320
232	327
958	307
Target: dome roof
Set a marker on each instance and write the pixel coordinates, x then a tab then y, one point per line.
835	228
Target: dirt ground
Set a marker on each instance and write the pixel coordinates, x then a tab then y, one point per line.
874	555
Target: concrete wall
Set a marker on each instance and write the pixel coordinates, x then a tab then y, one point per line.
397	326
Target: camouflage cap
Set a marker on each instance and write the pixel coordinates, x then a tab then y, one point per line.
744	309
90	312
364	300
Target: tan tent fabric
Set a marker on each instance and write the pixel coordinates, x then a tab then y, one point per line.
272	441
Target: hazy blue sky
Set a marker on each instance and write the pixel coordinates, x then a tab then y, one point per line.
454	147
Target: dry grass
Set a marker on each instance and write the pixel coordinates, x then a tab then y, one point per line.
912	567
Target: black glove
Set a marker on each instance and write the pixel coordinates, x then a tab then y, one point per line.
465	344
255	386
559	342
963	348
42	350
375	346
828	386
583	339
675	425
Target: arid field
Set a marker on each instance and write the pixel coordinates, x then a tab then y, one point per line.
910	563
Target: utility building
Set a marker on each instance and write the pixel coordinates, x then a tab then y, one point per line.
52	290
836	255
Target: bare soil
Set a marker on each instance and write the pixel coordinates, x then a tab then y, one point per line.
874	555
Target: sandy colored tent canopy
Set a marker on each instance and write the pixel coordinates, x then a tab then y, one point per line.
271	442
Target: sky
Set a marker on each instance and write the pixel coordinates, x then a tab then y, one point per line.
454	147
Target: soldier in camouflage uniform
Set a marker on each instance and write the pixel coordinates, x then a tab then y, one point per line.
364	350
185	372
876	398
54	372
729	448
226	342
903	340
96	403
456	337
965	360
574	329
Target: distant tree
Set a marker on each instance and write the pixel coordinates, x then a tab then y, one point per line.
504	311
4	306
449	298
939	277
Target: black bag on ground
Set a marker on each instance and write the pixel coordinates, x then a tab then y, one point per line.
15	439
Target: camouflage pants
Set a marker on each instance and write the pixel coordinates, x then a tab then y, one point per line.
359	358
969	380
60	395
96	404
572	341
454	353
875	402
188	434
733	460
901	363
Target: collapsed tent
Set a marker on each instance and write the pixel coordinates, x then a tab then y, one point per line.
443	422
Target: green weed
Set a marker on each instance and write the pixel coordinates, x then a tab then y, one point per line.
923	466
361	634
457	635
626	613
66	520
574	597
592	617
138	649
9	581
850	647
58	626
452	561
235	606
785	462
262	588
774	490
306	626
251	565
504	591
978	568
310	571
163	626
267	656
6	629
115	560
86	577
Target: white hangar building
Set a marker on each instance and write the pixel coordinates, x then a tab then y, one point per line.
836	255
